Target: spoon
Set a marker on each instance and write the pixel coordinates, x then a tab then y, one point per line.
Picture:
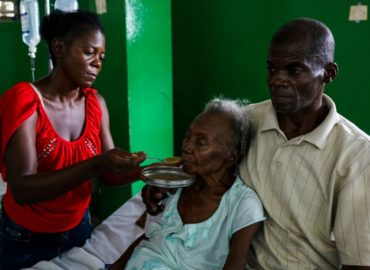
161	160
169	160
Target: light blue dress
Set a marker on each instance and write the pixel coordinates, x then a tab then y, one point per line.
204	245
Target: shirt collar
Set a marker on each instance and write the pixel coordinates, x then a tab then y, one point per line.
318	136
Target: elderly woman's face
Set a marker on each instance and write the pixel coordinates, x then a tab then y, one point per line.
207	148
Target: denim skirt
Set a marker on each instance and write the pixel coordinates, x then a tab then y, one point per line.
21	248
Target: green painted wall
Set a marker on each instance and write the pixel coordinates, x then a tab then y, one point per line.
137	84
220	47
149	63
112	84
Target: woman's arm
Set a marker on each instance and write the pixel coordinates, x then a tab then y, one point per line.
239	248
21	169
28	186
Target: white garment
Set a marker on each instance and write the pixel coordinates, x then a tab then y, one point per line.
205	245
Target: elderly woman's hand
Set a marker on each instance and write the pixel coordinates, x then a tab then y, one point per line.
153	196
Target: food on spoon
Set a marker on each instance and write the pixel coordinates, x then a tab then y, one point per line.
172	161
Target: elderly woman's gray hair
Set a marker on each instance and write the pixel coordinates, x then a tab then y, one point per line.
235	109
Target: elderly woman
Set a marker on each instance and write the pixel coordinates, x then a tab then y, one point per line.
210	224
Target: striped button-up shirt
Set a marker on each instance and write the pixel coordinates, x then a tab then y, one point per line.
315	189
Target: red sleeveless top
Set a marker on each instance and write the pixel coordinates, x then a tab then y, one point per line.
53	153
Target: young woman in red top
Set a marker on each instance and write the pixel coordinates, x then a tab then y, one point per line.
55	138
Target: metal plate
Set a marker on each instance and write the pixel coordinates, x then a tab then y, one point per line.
167	177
